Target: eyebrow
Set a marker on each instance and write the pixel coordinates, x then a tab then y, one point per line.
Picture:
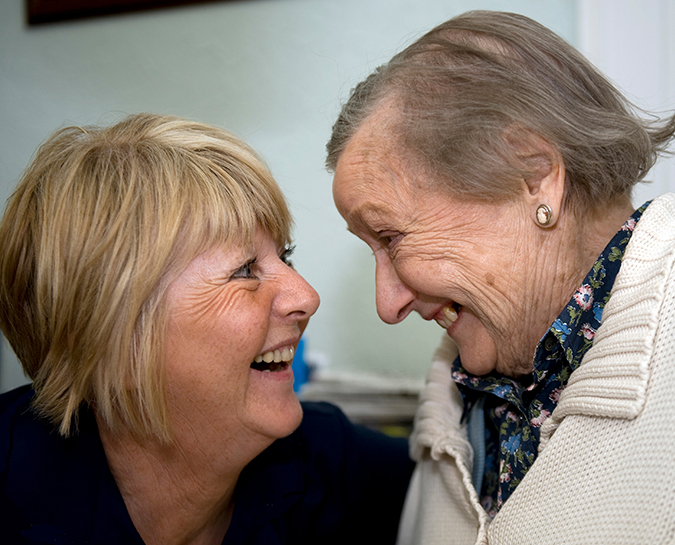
359	215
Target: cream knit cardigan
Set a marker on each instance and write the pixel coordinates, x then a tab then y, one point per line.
605	472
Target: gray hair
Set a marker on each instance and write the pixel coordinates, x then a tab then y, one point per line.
474	93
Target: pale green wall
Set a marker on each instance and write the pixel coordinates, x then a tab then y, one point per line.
272	71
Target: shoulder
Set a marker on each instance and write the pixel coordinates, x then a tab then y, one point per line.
325	427
55	489
365	471
12	405
21	436
657	225
322	420
321	410
15	400
329	482
646	268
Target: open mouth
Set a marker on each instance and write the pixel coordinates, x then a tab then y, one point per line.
274	360
449	315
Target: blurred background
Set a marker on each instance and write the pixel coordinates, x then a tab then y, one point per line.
275	72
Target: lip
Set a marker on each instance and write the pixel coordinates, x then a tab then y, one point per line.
285	373
437	313
280	346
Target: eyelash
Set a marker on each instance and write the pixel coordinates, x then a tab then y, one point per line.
245	271
389	239
286	255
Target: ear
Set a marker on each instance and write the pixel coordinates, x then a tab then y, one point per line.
544	189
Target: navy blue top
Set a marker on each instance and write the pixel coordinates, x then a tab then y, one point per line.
329	482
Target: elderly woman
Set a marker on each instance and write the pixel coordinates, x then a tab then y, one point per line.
146	287
489	167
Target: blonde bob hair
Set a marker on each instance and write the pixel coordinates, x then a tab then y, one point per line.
101	222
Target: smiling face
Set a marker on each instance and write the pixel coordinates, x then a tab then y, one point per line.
229	307
472	267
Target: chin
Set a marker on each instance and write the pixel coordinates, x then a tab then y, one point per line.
291	420
475	364
279	419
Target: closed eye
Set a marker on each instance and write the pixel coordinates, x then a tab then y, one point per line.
389	239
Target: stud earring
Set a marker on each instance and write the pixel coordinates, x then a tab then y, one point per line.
544	215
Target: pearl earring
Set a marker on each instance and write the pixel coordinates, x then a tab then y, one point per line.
544	215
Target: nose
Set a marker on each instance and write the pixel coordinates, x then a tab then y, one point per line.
299	300
394	298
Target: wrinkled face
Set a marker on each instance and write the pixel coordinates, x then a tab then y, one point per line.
235	319
462	264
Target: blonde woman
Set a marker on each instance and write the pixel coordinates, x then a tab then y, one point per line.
146	287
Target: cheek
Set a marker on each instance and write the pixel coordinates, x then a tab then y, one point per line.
427	277
219	312
431	263
211	305
217	335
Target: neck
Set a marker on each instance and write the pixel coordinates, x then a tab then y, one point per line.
565	254
186	479
581	241
595	232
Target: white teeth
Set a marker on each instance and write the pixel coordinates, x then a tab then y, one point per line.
449	317
277	356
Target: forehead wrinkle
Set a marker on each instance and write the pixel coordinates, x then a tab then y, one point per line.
360	214
390	182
